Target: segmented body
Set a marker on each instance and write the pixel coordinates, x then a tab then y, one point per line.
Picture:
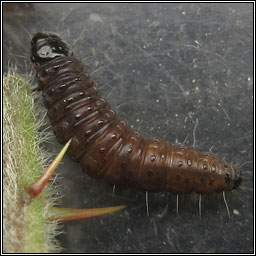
106	147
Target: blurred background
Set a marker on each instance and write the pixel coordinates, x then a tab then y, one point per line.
168	69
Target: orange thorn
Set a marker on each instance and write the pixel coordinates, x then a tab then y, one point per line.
66	214
36	188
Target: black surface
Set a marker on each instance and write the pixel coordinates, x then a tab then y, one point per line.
162	67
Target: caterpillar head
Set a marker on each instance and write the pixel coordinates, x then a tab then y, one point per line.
45	47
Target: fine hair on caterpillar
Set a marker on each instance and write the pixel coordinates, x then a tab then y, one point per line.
105	146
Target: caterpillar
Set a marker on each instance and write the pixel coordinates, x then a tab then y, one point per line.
104	145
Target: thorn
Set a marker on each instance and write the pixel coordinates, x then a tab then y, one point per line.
36	188
66	214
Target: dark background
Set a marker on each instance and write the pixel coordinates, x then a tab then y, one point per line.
162	66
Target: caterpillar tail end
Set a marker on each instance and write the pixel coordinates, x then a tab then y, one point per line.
237	180
236	183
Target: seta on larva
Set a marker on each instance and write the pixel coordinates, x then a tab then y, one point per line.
105	146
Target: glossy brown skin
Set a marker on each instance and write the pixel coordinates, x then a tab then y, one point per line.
106	147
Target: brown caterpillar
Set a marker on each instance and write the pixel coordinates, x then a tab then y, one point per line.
104	145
